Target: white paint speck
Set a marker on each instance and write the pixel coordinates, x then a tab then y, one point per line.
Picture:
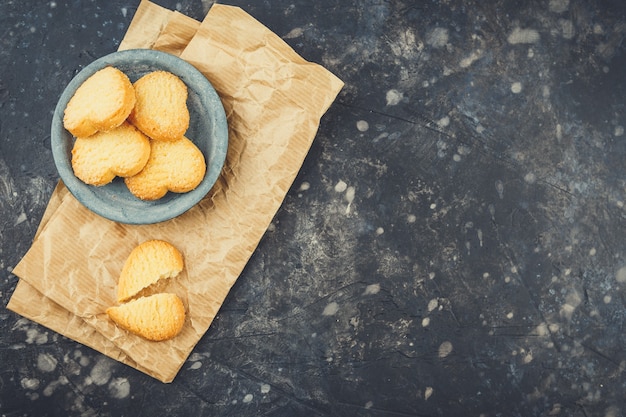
265	388
443	122
425	321
567	310
523	36
530	178
380	231
542	330
438	38
433	304
620	276
36	337
368	405
470	59
341	186
545	92
607	299
509	315
350	193
304	186
52	386
574	298
411	218
527	357
248	398
195	365
516	87
119	388
456	157
445	349
372	289
53	4
101	371
294	33
619	131
592	252
362	126
46	362
124	11
30	383
394	97
427	393
20	219
330	309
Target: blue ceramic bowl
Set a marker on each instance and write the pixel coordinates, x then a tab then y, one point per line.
207	129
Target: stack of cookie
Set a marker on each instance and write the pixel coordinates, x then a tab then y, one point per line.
135	131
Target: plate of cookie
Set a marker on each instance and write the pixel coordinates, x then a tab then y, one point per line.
139	136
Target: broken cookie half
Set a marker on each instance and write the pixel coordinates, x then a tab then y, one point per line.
156	317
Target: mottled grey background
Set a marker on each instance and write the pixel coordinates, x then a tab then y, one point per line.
453	245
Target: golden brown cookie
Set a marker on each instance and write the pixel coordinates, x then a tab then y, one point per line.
156	317
100	103
176	166
146	265
161	110
122	151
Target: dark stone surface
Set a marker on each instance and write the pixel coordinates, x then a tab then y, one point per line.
453	245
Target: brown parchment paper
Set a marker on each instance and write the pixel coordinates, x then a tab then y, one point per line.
273	100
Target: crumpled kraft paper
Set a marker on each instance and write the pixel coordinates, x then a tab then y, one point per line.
274	100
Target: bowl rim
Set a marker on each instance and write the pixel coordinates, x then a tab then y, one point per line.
102	200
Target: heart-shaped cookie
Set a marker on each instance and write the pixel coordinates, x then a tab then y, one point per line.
177	166
161	110
122	151
101	103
